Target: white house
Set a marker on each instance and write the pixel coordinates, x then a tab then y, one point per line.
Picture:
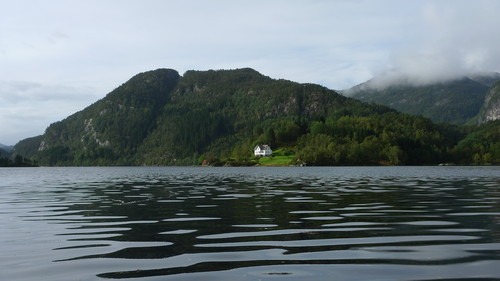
262	150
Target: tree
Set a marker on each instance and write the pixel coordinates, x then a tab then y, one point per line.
270	137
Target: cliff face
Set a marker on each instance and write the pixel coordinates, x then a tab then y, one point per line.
491	108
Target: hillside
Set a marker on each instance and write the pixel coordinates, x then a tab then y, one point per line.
480	146
490	111
211	112
10	158
161	118
109	131
28	147
455	102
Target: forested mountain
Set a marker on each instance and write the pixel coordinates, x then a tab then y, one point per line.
110	131
455	102
491	107
217	117
28	147
216	113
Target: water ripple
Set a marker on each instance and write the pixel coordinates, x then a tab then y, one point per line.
346	223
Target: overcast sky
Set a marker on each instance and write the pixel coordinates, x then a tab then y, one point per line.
57	57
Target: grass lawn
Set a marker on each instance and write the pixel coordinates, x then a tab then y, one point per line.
277	159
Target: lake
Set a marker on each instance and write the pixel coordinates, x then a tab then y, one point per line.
252	223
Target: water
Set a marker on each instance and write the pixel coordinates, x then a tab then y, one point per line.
134	223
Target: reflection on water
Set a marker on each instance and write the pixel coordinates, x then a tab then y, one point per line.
399	223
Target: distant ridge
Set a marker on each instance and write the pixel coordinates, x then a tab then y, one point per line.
6	147
455	101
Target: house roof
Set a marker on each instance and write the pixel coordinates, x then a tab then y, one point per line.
263	147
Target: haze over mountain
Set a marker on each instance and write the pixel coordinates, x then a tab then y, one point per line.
3	153
6	147
453	100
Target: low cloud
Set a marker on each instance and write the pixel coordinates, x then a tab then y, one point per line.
27	108
334	43
25	91
453	41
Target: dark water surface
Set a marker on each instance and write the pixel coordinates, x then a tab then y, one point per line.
369	223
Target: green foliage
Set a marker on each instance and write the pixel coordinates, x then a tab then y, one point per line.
481	146
454	102
17	161
28	147
110	131
215	112
280	157
380	139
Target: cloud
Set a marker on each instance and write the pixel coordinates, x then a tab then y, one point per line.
27	108
301	41
455	38
67	48
24	92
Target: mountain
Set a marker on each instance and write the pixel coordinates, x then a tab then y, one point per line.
212	111
28	147
109	131
9	158
159	117
162	118
486	78
491	107
4	153
5	150
6	147
456	101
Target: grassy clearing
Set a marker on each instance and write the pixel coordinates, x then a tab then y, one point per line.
277	159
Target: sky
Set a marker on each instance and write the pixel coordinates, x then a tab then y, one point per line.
58	56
